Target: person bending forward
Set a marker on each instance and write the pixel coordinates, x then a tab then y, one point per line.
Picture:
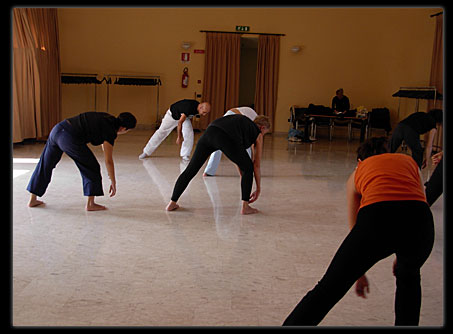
232	135
178	116
388	214
71	137
214	159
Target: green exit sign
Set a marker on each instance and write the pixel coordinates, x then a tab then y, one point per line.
242	28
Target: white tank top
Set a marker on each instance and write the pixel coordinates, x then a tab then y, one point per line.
246	111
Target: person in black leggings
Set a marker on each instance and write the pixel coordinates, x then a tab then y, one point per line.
232	135
379	229
409	131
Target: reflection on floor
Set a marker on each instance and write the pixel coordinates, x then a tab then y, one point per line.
205	264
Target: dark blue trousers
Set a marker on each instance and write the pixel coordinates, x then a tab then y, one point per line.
61	139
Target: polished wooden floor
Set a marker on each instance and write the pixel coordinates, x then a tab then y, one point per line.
205	264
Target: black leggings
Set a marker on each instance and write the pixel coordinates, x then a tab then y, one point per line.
412	140
214	139
402	227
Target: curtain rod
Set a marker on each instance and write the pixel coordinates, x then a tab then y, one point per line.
138	76
436	14
242	32
84	74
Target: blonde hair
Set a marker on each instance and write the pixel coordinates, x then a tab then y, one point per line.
263	121
206	106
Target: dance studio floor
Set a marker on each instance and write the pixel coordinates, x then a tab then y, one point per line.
205	264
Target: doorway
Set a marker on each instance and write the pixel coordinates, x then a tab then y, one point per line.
247	76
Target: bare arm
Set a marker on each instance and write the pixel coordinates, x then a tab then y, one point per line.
257	167
108	158
353	198
180	137
437	157
429	138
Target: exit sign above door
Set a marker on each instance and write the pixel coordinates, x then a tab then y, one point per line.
242	28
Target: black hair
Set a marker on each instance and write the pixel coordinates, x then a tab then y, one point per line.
127	120
372	146
437	114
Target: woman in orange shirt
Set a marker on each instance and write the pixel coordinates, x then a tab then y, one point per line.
388	214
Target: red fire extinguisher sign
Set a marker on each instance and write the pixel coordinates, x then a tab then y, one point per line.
185	57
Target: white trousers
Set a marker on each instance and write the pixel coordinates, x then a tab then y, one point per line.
165	128
214	159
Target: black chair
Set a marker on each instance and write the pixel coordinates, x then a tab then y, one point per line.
340	121
297	116
379	118
362	126
320	121
298	119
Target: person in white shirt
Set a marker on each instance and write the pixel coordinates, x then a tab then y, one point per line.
215	157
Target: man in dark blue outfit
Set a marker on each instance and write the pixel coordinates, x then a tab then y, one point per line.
71	137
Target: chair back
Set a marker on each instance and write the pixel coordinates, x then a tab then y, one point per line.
379	118
296	115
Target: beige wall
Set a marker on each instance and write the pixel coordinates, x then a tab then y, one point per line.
370	52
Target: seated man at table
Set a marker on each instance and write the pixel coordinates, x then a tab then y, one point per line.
340	102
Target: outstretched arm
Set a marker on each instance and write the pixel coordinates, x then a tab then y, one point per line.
108	158
258	151
429	138
437	157
180	137
353	198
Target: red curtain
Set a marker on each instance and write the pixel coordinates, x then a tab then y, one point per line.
267	75
437	73
221	74
36	73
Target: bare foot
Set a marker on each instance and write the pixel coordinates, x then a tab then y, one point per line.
34	201
248	210
172	206
91	206
95	207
